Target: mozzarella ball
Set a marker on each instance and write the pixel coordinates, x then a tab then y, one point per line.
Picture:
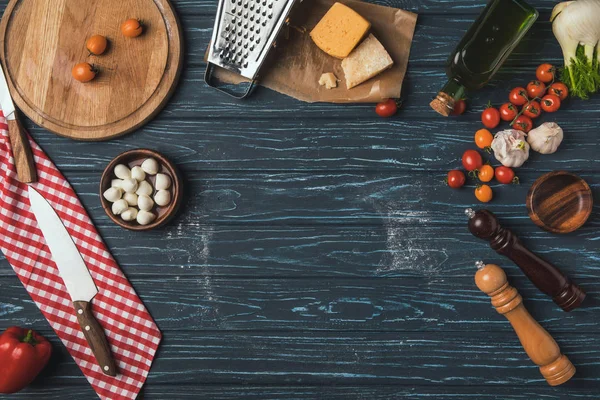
145	203
138	173
113	194
150	166
130	214
145	217
122	172
131	199
163	182
129	185
119	206
144	188
116	183
162	197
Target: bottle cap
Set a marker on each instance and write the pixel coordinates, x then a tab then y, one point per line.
443	104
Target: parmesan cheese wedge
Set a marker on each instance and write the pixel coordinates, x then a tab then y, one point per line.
367	60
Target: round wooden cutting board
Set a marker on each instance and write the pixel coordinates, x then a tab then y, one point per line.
41	41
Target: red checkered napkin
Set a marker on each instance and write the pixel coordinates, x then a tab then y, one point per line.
131	331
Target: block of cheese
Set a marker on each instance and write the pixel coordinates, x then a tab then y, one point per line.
366	61
339	31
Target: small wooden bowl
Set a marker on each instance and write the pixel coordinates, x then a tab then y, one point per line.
132	158
559	202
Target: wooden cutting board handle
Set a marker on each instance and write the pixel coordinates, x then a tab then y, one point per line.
537	342
21	150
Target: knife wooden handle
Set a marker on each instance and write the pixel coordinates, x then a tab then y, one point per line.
94	334
19	142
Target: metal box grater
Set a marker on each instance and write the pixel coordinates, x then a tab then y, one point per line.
243	34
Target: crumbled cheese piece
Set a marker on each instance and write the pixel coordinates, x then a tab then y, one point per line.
329	80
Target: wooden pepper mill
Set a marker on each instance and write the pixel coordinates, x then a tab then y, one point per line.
545	276
537	342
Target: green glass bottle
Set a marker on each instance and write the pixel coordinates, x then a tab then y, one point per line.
483	49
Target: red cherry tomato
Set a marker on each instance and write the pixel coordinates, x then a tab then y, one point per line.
550	103
559	89
508	112
459	107
386	108
532	110
490	117
536	89
505	175
456	179
472	160
523	123
545	73
518	96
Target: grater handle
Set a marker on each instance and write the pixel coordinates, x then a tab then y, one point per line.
210	81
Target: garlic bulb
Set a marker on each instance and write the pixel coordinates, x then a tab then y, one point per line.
131	199
138	173
510	148
122	172
545	138
144	188
162	197
113	194
116	183
130	214
145	217
129	185
145	203
163	182
150	166
119	206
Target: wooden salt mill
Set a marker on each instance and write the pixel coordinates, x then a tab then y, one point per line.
537	342
545	276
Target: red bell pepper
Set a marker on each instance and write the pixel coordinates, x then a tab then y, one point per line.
23	354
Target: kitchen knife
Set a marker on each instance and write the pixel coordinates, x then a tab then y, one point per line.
76	277
18	138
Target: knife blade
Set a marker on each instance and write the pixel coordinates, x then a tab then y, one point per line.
76	276
19	141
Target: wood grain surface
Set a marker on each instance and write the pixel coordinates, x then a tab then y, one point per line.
41	42
317	253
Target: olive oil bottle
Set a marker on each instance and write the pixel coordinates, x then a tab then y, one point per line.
483	49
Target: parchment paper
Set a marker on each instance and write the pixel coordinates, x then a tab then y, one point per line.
296	64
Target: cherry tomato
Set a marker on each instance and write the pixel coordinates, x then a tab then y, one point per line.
550	103
459	107
532	110
559	89
545	73
96	44
472	160
483	138
456	179
518	96
84	72
505	175
132	28
486	173
490	117
386	108
483	193
536	89
523	123
508	112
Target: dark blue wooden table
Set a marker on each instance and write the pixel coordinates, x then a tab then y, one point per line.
318	254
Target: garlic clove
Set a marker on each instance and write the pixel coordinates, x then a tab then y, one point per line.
131	199
119	206
144	188
116	183
130	214
145	217
138	173
163	182
122	172
150	166
113	194
129	185
162	197
145	203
